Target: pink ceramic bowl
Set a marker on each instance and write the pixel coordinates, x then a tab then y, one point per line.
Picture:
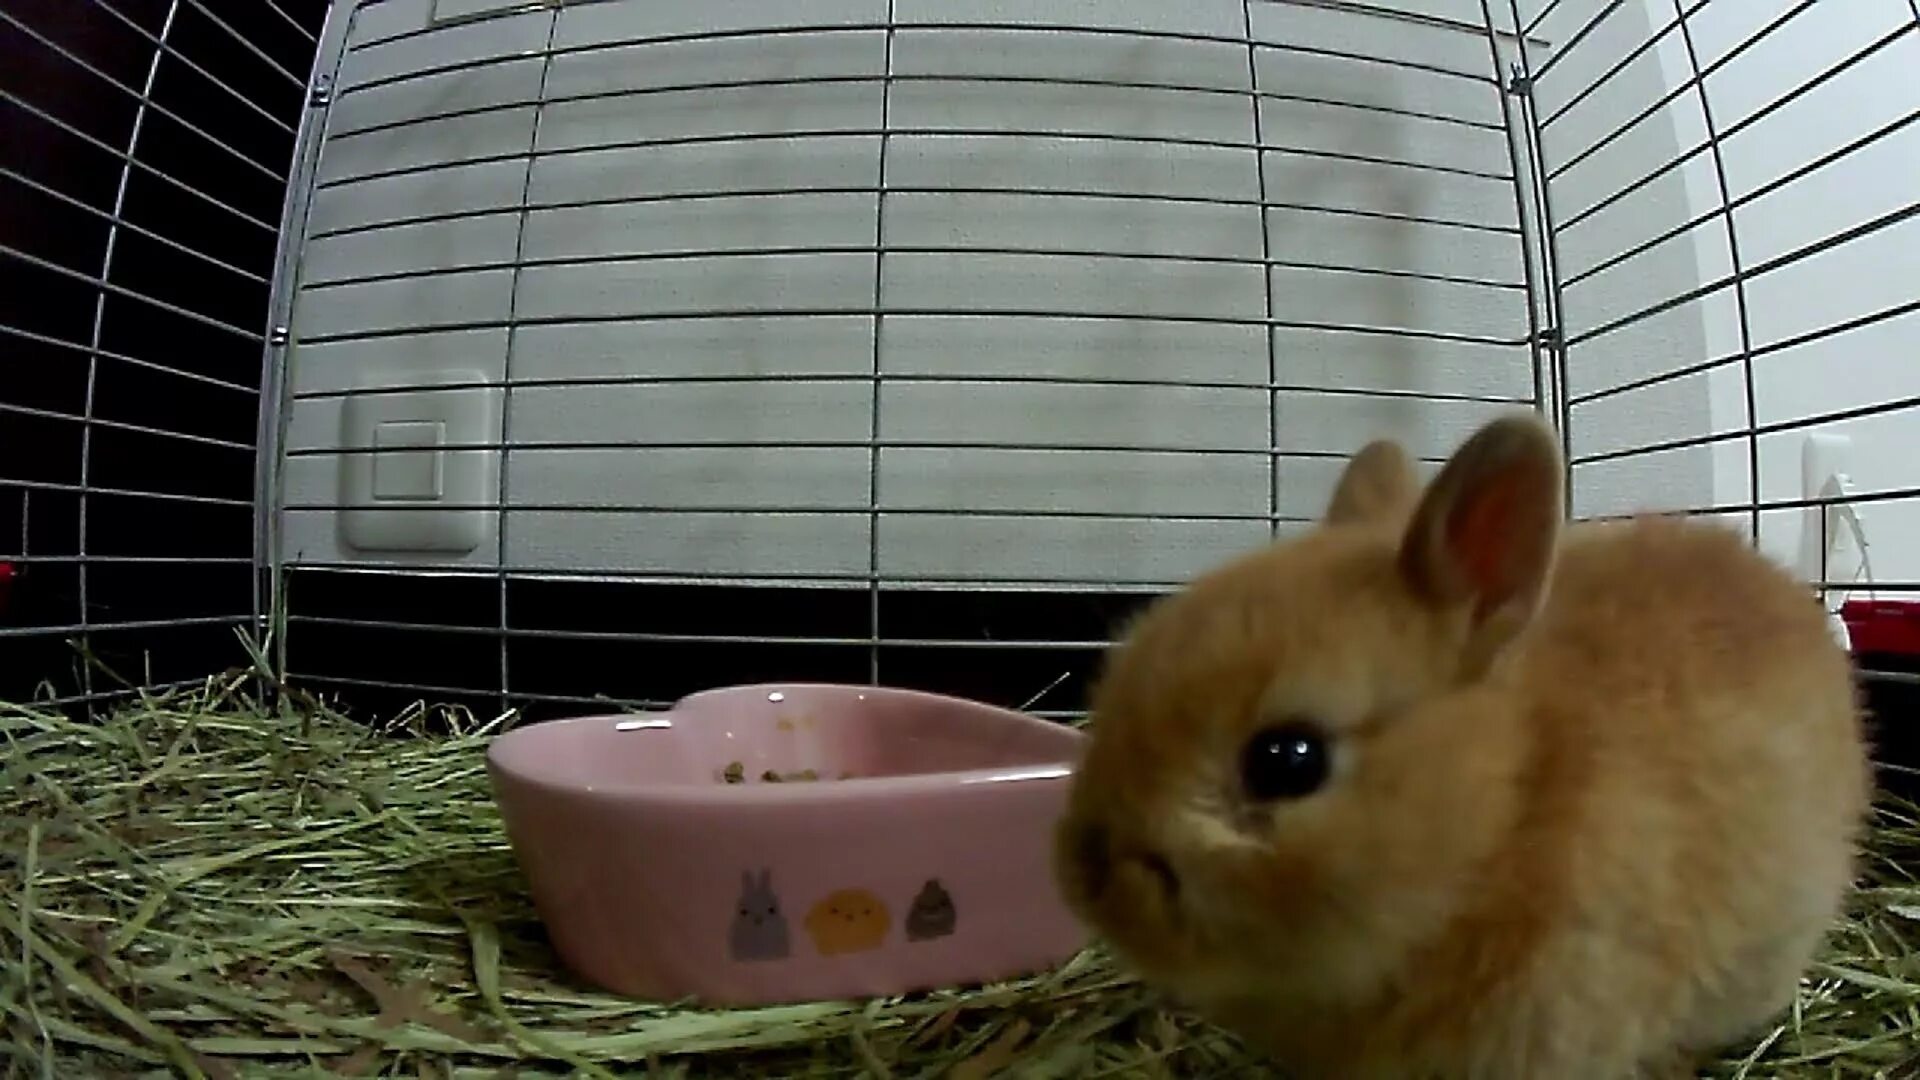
929	867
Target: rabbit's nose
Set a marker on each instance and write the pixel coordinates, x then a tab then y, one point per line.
1098	856
1161	871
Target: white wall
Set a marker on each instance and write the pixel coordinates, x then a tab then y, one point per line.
1098	407
738	373
1800	298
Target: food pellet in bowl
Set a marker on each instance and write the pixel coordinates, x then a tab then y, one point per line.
736	773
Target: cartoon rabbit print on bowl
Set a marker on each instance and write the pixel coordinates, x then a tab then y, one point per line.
844	921
759	927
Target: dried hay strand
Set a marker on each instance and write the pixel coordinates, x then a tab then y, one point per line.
205	885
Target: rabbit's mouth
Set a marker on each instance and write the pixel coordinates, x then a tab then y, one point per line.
1127	893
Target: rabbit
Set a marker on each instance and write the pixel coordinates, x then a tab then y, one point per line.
1448	789
759	928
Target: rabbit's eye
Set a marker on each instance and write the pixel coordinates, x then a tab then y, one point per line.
1287	761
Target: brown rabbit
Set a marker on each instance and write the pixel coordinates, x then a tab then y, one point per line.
1436	791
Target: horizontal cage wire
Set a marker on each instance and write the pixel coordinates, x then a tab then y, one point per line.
147	159
383	376
1765	154
760	199
878	341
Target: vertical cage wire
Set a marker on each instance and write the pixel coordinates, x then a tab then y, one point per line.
1509	84
1698	81
506	393
874	576
1266	255
269	598
145	152
100	299
1545	304
1817	315
505	404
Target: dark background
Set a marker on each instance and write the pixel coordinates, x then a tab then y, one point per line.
169	462
174	393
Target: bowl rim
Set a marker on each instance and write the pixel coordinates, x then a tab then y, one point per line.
1057	770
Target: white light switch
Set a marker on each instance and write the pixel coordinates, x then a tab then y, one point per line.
408	463
413	493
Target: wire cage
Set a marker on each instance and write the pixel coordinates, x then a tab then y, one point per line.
146	158
540	355
913	414
535	357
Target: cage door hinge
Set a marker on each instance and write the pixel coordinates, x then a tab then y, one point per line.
321	94
1519	83
1548	337
277	337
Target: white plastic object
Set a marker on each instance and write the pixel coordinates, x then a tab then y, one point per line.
1828	524
387	497
1823	460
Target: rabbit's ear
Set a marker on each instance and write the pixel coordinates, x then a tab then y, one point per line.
746	881
766	879
1378	485
1483	536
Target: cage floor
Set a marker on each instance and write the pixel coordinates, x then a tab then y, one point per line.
202	886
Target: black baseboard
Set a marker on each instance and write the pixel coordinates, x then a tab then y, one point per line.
1891	689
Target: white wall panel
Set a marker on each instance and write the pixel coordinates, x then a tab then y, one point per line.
1073	365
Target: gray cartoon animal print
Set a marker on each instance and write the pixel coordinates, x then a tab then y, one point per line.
759	926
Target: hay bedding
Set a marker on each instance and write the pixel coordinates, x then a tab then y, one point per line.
202	885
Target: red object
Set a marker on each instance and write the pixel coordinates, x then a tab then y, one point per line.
6	584
1883	626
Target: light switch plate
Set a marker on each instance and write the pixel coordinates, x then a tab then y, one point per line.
448	12
412	494
409	464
